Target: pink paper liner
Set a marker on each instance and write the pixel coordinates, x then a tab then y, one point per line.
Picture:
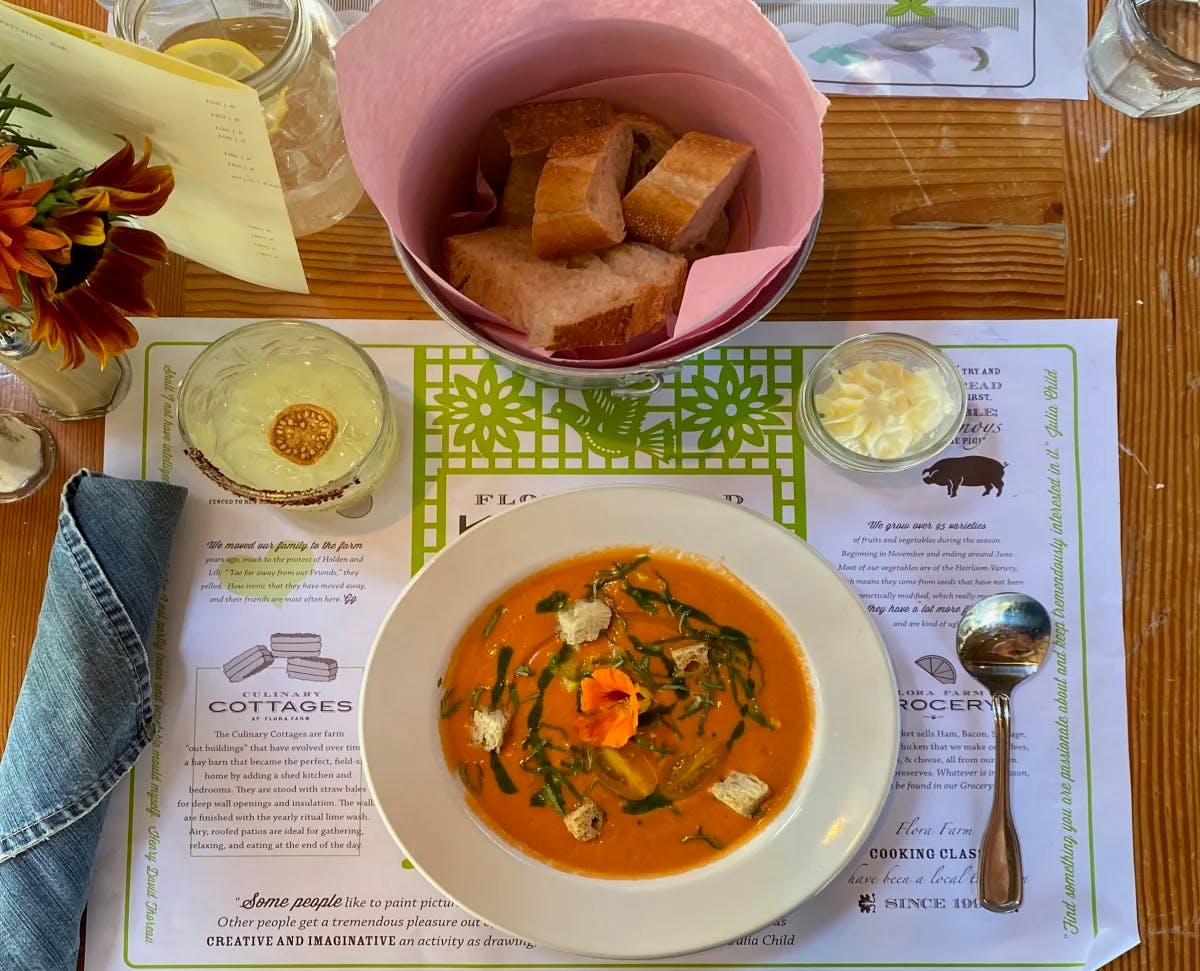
718	66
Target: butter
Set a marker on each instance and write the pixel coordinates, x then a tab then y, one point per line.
882	409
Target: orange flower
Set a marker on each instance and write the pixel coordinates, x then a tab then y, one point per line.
613	701
128	187
104	263
21	245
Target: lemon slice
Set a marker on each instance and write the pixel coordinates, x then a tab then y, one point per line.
224	57
230	59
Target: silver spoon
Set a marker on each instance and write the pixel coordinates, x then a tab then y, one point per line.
1002	640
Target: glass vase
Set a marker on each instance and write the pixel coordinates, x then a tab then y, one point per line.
87	391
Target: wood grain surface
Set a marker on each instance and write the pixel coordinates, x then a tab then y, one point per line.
935	209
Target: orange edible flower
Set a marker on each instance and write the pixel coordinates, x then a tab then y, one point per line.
613	701
21	245
102	263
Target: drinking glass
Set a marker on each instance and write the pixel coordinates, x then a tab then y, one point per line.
283	49
289	413
1144	58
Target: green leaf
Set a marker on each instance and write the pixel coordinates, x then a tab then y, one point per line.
471	774
712	841
502	660
552	604
445	708
639	807
491	624
502	779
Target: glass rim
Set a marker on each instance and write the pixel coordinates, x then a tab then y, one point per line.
1157	42
314	495
268	79
816	436
49	456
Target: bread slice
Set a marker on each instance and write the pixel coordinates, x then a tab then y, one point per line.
715	242
662	274
577	207
676	205
742	792
520	186
585	301
651	141
534	128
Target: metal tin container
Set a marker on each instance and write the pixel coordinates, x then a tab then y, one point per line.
637	380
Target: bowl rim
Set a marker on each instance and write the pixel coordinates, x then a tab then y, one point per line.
849	730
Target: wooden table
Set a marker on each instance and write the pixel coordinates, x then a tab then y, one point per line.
933	209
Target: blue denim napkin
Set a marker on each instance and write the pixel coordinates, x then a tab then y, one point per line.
84	713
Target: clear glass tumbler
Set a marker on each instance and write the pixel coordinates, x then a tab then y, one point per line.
880	403
289	413
283	49
1144	59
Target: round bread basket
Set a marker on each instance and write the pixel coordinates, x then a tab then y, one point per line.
641	379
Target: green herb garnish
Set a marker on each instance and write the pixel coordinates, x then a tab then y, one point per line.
492	621
738	729
502	659
445	708
656	800
553	603
712	841
471	774
502	779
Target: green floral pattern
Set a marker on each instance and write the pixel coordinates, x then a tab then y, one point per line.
919	7
731	411
486	413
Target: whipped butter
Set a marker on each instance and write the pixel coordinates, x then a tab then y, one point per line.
882	409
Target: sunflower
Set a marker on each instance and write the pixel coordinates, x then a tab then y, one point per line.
21	245
101	263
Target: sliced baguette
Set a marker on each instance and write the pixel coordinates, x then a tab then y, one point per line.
585	301
520	186
715	242
676	204
534	128
662	275
577	207
651	141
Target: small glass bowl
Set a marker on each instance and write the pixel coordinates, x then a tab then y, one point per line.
240	390
47	453
910	352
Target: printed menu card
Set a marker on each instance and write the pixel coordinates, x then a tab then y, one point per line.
245	836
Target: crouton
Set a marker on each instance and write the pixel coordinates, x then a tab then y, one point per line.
584	821
583	621
488	726
741	792
690	658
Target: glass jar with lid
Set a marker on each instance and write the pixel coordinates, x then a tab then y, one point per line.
283	49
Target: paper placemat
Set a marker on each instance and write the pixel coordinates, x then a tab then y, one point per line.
245	838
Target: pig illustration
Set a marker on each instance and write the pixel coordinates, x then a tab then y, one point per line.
970	470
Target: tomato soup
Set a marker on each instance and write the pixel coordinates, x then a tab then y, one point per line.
594	712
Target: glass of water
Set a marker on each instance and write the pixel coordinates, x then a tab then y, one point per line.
283	49
1144	58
